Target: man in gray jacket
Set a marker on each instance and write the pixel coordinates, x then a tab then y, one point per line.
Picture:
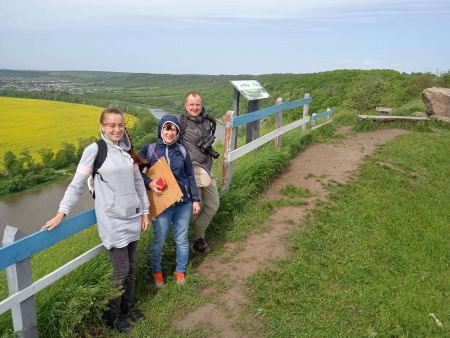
197	135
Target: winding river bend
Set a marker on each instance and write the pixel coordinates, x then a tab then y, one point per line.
29	210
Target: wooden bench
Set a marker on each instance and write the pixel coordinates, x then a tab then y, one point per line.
390	118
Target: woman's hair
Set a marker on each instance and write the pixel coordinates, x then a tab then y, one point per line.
109	110
138	159
135	156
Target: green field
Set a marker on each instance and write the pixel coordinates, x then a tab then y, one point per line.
37	124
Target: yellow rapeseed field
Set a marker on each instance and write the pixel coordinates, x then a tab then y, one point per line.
37	124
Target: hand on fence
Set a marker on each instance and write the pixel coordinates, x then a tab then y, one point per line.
54	222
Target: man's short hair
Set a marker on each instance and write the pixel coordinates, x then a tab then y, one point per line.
193	93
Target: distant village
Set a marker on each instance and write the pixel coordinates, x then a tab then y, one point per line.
48	86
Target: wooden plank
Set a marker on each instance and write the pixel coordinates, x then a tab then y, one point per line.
322	124
306	109
19	277
383	118
322	114
278	123
235	109
41	240
227	148
45	281
257	115
385	110
235	154
252	127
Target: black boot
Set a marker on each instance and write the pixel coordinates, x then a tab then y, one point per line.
130	312
113	317
121	325
200	245
135	315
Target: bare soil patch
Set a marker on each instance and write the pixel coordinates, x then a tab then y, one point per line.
314	168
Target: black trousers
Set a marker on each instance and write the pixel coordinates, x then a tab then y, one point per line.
123	274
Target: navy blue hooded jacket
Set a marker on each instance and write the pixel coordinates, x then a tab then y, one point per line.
181	167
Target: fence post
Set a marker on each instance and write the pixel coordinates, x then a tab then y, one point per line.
19	277
305	110
228	146
278	123
235	109
329	115
252	127
313	120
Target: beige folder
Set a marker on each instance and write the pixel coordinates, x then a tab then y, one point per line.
171	193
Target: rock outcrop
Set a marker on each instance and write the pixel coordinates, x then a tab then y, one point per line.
437	101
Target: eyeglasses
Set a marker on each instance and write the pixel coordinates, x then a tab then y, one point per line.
114	125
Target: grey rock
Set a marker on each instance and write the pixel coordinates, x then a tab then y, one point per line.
437	101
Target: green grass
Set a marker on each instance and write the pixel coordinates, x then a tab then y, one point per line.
85	300
376	262
291	190
319	291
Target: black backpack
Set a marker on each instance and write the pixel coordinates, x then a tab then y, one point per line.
98	162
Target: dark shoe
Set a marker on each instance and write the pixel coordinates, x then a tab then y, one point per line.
120	325
200	245
136	315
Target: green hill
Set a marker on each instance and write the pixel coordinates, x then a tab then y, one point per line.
359	90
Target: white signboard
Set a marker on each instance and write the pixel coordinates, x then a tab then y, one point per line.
251	89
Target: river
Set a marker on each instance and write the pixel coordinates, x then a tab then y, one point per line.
29	210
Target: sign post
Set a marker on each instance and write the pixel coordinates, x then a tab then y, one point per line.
254	93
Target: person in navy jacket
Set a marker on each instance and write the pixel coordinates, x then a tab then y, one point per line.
180	213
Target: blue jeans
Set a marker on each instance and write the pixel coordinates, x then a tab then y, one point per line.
179	215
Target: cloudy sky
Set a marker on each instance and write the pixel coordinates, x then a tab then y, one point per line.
225	37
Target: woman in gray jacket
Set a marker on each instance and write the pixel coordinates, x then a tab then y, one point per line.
121	207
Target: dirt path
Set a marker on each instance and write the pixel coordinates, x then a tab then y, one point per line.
312	169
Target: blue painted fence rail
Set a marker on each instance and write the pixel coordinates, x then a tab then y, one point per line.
322	114
41	240
257	115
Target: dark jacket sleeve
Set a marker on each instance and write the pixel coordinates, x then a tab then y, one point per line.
191	177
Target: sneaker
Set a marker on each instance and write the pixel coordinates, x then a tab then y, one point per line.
180	278
120	325
136	315
200	245
159	279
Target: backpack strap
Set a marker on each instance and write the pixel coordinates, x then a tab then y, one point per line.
151	151
100	157
182	149
183	124
153	145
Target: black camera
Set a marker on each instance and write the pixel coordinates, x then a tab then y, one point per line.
205	146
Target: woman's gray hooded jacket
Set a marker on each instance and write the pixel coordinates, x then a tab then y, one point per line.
120	194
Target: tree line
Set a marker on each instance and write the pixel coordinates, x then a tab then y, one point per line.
22	170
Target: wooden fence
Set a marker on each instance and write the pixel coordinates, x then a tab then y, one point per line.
15	257
232	122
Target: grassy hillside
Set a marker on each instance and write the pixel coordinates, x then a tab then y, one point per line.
359	90
37	124
375	262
